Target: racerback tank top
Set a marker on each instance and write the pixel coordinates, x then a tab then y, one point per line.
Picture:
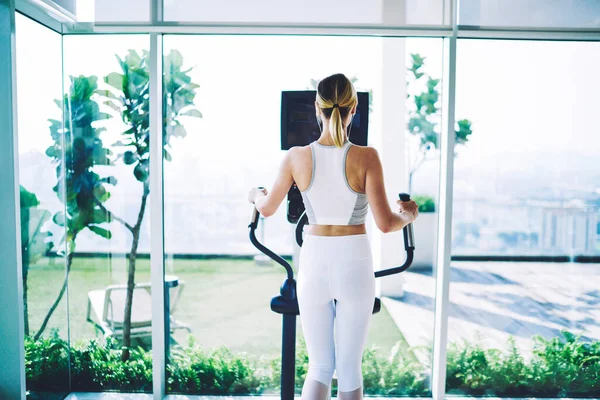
329	199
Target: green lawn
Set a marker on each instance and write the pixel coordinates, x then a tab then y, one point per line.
226	302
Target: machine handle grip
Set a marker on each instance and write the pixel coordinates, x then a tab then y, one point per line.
268	252
409	246
303	220
409	242
255	214
409	235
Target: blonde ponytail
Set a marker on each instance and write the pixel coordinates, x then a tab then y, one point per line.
336	127
336	97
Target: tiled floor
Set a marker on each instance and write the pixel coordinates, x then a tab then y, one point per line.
500	299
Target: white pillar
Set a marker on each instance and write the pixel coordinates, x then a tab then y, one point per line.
444	244
388	249
12	373
160	338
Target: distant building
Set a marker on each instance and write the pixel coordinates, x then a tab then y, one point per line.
572	229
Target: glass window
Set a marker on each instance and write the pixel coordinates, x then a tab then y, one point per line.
119	11
69	5
410	12
526	184
583	14
227	119
106	141
39	56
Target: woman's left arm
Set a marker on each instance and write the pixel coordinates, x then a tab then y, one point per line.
267	204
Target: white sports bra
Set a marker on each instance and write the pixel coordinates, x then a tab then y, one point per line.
329	199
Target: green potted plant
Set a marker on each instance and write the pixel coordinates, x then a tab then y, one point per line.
423	127
426	203
425	232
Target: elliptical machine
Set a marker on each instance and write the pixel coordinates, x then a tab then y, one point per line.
286	303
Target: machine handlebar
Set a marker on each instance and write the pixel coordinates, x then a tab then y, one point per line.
278	259
409	247
408	233
252	234
409	242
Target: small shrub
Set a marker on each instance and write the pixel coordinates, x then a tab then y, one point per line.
373	368
99	367
563	366
468	369
404	376
47	363
567	366
301	364
426	203
509	371
273	383
194	370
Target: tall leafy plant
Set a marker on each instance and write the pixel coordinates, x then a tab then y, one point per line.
423	113
34	239
76	150
131	100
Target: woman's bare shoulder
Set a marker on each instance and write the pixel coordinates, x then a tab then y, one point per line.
366	149
364	154
299	151
299	155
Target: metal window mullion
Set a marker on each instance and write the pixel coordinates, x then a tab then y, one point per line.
38	15
224	28
157	217
444	246
49	8
62	187
12	354
529	34
273	29
156	11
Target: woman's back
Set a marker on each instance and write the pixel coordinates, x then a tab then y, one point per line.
332	182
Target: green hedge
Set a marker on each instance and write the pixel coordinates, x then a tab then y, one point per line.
560	367
218	372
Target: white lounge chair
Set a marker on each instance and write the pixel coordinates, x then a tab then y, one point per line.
108	308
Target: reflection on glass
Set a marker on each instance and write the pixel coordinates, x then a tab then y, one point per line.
46	345
583	14
526	184
106	170
130	11
232	143
409	12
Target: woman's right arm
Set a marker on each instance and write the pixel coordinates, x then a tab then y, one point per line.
385	219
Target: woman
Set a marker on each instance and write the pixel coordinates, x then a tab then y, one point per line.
336	283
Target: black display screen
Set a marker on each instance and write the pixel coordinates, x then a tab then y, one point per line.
299	125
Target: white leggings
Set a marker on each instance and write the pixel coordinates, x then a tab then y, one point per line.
336	268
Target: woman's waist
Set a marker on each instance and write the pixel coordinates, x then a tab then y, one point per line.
336	230
352	246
